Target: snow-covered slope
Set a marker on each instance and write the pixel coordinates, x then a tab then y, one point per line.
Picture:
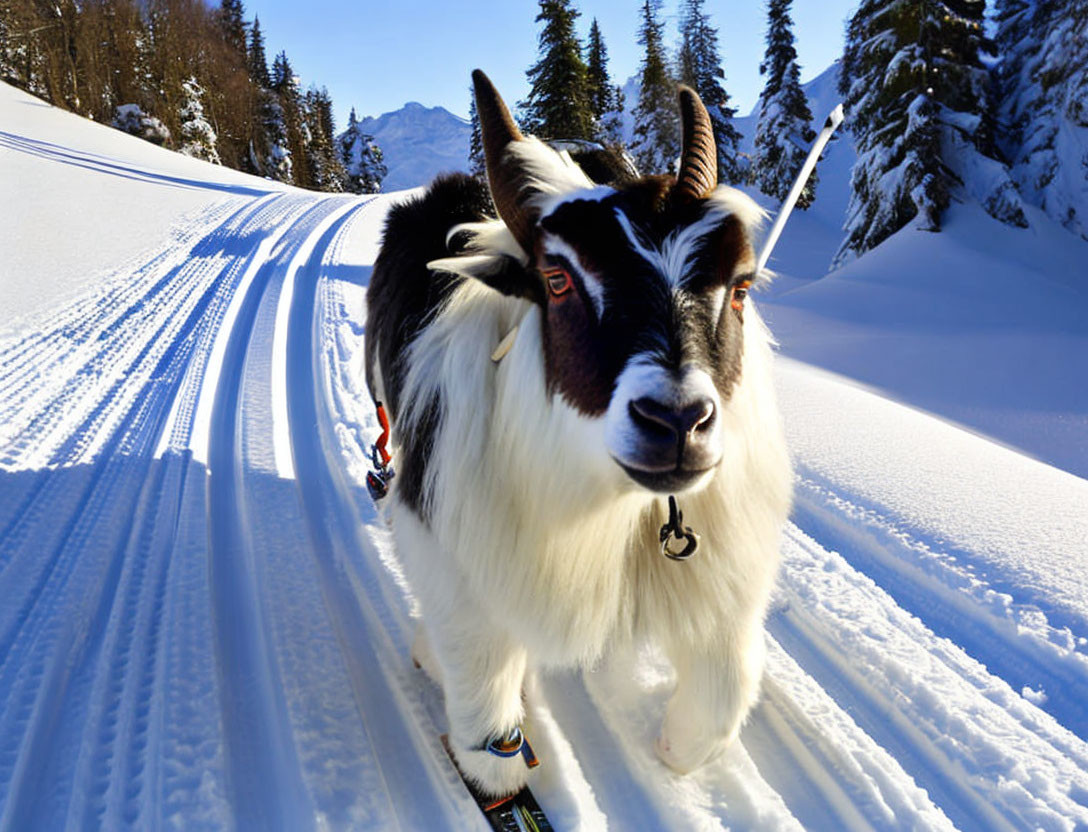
982	323
419	143
202	623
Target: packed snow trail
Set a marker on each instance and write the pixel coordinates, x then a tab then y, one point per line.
203	623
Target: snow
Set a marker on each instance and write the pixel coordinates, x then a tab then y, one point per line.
88	186
203	623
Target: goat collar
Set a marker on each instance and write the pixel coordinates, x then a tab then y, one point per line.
674	529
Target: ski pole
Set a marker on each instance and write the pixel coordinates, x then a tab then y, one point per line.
833	121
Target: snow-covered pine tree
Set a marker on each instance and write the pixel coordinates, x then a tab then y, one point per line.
784	132
1043	112
22	58
917	99
362	159
9	54
133	120
558	103
476	164
605	100
197	135
656	143
699	66
270	153
323	158
285	85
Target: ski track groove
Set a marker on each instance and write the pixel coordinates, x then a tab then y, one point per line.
356	605
964	755
950	603
260	755
41	632
70	640
157	396
10	535
787	753
131	440
619	792
88	367
880	718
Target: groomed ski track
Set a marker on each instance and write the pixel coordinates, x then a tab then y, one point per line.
202	624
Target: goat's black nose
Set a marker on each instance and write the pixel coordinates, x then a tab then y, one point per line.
675	424
671	446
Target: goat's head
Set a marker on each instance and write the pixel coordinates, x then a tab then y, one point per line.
641	289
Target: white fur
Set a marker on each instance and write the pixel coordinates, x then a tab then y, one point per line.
674	256
548	172
489	243
730	201
547	203
540	550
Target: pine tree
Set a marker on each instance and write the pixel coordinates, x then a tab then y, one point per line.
784	131
700	67
476	164
656	144
917	97
197	136
15	46
284	83
133	120
9	56
362	159
558	103
257	62
270	154
323	159
233	24
1043	111
605	100
270	147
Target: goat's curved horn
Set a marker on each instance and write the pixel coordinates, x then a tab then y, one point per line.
497	129
699	159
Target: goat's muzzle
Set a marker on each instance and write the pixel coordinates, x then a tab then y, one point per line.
673	444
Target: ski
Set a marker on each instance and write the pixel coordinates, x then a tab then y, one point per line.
832	123
517	812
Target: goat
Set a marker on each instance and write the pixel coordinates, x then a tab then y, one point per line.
531	488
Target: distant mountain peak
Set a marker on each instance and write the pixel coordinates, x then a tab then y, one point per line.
418	143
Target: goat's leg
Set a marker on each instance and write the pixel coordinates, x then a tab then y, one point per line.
479	667
716	687
482	674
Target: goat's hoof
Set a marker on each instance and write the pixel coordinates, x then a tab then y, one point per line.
684	753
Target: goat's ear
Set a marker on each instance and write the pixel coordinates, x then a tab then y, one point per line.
498	131
501	272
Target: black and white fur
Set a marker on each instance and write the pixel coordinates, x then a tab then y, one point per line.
530	491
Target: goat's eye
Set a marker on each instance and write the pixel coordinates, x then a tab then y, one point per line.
559	282
740	292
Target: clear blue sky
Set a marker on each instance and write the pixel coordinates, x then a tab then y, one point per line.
376	56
